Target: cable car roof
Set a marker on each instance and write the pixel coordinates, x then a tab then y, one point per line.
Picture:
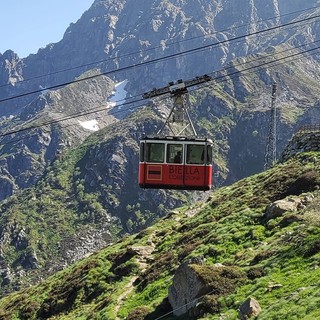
178	138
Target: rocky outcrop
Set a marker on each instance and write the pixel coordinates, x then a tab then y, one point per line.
305	140
11	67
25	256
197	287
279	207
74	248
185	289
291	204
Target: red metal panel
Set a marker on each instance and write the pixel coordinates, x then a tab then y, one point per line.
175	176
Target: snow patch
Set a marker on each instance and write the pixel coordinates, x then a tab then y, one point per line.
119	95
44	90
90	125
117	99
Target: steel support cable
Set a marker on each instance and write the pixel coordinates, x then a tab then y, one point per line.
160	59
186	304
158	47
222	78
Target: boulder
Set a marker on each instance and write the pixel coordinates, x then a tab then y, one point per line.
289	204
250	308
279	207
194	284
184	290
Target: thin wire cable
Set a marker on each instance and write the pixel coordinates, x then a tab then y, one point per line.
158	47
224	78
159	59
218	78
186	304
118	111
221	78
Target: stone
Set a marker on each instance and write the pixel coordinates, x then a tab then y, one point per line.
193	282
250	308
185	288
279	207
302	141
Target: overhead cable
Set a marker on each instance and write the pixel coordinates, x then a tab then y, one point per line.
220	78
159	59
158	47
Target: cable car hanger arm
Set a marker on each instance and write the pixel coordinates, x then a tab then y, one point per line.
180	86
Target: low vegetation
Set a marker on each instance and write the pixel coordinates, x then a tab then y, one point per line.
275	260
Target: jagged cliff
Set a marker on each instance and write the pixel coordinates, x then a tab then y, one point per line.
306	139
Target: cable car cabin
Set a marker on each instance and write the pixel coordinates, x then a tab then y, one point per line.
175	163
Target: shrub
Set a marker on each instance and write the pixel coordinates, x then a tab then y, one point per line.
261	256
287	220
210	304
256	272
313	249
307	182
126	269
220	280
138	314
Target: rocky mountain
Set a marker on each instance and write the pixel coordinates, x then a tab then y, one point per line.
152	36
33	145
69	156
252	249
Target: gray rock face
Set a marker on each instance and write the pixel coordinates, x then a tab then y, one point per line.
184	290
10	68
279	207
305	140
194	283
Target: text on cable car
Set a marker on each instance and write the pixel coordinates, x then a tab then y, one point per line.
176	173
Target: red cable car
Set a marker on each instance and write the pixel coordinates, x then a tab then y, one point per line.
175	163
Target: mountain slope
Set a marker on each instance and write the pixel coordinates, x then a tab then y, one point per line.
92	185
265	248
114	35
76	182
47	126
81	204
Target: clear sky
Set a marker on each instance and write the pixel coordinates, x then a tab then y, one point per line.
28	25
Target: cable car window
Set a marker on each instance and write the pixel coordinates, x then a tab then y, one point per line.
174	153
155	152
141	151
195	153
208	159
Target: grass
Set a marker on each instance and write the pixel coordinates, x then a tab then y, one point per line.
275	261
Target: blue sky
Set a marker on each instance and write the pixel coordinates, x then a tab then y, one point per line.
28	25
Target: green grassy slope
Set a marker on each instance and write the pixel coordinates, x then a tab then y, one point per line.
275	259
